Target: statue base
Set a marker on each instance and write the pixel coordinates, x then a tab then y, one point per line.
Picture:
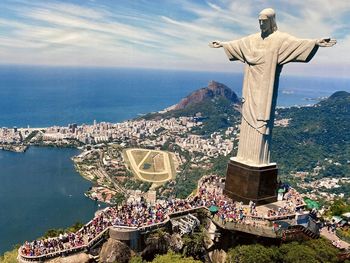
246	183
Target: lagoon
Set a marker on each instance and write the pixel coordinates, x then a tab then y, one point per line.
40	190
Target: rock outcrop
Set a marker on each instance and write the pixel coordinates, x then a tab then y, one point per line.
175	242
214	89
161	242
218	256
115	251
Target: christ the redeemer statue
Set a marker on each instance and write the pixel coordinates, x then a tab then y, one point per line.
264	55
250	175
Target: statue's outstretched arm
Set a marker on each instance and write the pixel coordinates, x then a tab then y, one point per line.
216	44
326	42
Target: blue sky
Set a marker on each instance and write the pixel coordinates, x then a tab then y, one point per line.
168	34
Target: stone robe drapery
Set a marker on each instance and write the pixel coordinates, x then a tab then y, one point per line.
264	58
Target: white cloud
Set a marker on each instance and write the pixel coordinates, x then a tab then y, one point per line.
69	34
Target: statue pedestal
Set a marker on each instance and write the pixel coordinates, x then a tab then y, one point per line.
251	183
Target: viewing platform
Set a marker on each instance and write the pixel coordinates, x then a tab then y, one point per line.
129	222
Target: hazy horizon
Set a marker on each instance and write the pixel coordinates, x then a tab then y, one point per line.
163	35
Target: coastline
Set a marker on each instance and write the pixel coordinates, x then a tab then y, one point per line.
14	148
59	144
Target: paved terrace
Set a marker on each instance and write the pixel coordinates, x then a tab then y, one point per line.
140	217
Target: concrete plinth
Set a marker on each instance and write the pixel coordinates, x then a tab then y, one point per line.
251	183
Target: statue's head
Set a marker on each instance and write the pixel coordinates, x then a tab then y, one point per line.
267	21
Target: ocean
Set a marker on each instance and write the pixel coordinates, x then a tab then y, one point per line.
39	189
40	97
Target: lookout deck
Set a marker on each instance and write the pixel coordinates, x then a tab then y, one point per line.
275	220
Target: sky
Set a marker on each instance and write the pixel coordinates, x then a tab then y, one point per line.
165	34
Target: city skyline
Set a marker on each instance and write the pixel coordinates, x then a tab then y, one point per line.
162	34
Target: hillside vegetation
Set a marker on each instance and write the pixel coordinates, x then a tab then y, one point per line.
315	136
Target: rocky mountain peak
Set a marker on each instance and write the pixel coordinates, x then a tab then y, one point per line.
213	90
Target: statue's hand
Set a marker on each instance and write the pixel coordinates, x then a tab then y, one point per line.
326	42
215	44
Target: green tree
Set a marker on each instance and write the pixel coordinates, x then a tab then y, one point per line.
194	245
136	259
219	165
325	252
171	257
10	256
339	207
118	198
186	182
253	254
75	227
297	253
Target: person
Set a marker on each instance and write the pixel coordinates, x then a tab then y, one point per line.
264	55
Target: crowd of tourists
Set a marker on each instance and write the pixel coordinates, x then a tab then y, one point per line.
293	202
69	241
138	215
293	198
52	245
211	193
128	215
